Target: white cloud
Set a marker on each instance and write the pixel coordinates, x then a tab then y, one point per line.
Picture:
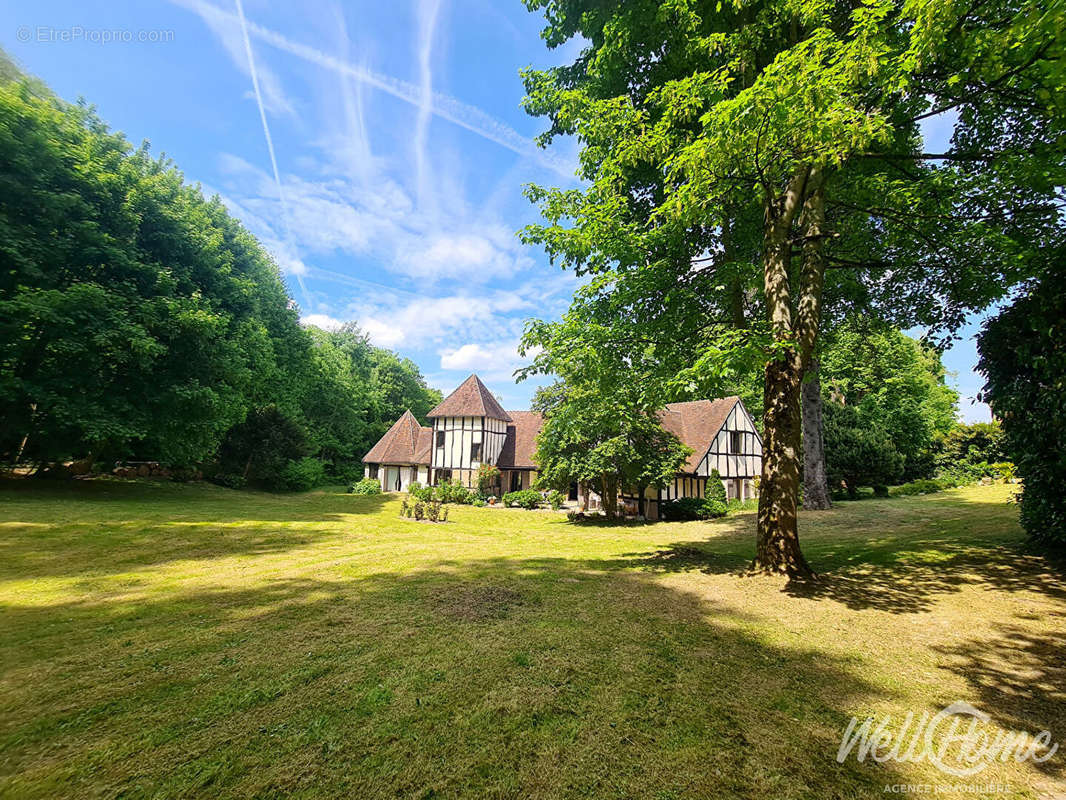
377	218
323	321
488	357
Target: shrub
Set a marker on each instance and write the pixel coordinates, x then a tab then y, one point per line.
526	498
451	491
856	454
1024	362
715	488
479	503
420	510
967	446
488	478
433	511
420	492
299	476
555	499
690	508
405	508
1004	471
229	480
262	447
927	485
366	486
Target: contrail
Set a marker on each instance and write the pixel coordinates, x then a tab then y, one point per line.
269	141
427	23
444	106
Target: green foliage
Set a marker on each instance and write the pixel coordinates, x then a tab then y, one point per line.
420	492
301	475
554	499
229	480
857	454
260	448
526	498
602	440
1023	358
926	486
139	320
896	385
1005	471
973	444
452	491
715	488
365	486
691	508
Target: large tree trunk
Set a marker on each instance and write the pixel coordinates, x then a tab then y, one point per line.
610	496
808	321
777	547
815	481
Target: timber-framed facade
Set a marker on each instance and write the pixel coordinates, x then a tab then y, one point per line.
470	428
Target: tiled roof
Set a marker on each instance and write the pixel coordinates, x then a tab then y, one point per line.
471	399
521	441
696	423
406	442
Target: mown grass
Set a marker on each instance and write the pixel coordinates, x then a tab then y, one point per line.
161	640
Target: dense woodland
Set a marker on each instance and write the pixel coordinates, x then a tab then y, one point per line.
140	321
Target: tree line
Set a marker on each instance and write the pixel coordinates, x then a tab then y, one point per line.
756	180
139	320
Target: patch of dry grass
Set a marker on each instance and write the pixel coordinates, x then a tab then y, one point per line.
175	641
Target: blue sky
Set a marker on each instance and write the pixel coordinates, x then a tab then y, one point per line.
399	145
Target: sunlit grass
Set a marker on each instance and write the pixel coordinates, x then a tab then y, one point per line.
173	641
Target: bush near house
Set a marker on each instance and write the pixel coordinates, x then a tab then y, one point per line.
451	491
527	498
555	499
691	508
488	478
365	486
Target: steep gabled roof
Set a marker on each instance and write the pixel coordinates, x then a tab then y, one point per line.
471	399
696	423
521	441
406	442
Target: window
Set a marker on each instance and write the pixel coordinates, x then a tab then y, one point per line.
736	445
475	451
373	471
440	438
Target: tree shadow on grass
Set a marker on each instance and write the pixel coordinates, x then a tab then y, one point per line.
871	566
1019	678
499	677
102	527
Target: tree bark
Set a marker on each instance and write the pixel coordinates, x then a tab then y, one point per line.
777	545
815	480
808	322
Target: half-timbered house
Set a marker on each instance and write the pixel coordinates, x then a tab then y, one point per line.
470	428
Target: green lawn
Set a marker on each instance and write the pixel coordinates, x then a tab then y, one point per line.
172	640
